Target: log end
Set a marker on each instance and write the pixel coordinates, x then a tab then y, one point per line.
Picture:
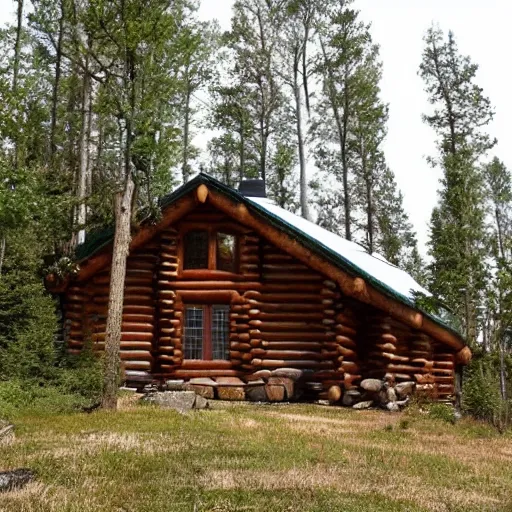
202	193
463	356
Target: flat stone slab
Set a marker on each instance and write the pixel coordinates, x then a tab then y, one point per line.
229	381
174	385
289	373
181	401
363	405
260	374
231	392
202	381
201	390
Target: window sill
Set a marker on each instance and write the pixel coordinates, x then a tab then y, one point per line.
204	273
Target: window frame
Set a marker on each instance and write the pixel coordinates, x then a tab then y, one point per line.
212	231
207	342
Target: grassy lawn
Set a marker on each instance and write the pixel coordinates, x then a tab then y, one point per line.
257	458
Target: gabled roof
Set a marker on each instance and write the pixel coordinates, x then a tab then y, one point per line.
348	256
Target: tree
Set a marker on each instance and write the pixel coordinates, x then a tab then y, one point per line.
134	47
499	186
458	235
252	42
297	37
346	45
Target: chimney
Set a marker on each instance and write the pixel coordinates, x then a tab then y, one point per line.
252	188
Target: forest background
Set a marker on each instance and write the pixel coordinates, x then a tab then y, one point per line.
103	100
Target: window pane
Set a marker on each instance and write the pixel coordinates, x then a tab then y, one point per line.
220	332
196	250
226	247
193	339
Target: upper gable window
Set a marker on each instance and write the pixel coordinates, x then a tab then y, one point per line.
196	250
226	251
210	249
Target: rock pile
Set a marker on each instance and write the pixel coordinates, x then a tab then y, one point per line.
280	385
385	394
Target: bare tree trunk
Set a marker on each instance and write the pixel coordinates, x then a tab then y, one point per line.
15	74
186	134
300	141
242	151
123	208
83	178
55	92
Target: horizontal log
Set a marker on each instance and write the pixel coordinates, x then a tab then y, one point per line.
292	345
265	326
274	307
291	354
139	355
285	316
126	336
297	296
208	296
288	363
185	373
137	365
127	345
346	341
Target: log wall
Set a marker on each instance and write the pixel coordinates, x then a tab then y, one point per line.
282	314
393	351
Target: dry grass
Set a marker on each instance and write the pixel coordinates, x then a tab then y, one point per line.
243	457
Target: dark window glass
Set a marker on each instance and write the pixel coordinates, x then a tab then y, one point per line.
220	332
226	252
196	250
194	327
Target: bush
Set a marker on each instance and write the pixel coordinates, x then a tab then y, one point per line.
29	396
481	396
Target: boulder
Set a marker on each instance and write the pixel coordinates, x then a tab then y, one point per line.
256	394
231	392
392	406
391	394
181	401
174	385
15	479
373	385
405	389
201	402
204	391
334	394
275	393
289	373
363	405
350	397
287	383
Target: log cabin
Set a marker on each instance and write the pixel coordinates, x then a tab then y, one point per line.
227	284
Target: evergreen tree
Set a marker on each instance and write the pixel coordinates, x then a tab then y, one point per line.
458	235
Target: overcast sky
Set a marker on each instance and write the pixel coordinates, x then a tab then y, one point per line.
482	30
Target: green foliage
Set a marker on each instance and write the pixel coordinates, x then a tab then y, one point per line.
442	412
481	397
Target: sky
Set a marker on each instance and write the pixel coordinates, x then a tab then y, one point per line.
482	30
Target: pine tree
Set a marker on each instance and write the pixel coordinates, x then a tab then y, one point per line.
458	236
345	47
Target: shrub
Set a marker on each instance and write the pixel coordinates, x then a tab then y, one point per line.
481	396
